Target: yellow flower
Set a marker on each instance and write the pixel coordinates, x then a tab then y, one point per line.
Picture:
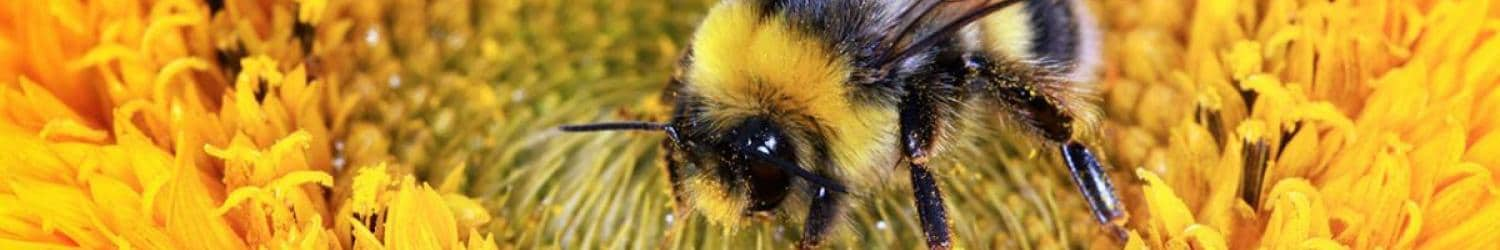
1376	119
170	124
400	214
124	126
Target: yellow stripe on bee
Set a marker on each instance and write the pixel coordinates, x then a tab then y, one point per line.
745	65
1008	31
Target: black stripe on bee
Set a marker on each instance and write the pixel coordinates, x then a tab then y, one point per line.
842	25
1056	30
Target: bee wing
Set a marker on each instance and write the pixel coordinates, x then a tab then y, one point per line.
918	24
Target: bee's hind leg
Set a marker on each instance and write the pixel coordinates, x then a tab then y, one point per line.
1021	90
1093	182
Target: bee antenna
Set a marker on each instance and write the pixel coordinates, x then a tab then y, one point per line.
799	172
611	126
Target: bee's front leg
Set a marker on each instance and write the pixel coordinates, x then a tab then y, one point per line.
825	209
922	112
930	208
680	208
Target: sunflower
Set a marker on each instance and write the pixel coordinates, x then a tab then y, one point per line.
1314	124
428	124
177	124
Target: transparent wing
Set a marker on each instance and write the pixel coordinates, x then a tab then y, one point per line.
918	24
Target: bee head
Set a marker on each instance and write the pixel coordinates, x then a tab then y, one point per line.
735	168
752	162
767	115
730	171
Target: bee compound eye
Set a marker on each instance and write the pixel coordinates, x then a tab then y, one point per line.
757	145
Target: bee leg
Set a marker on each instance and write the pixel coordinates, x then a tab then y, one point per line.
920	113
930	208
825	208
675	179
1022	90
1095	186
929	198
677	221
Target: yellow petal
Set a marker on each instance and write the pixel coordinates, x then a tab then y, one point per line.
188	213
1168	215
69	129
1297	215
419	219
1461	189
1478	230
469	214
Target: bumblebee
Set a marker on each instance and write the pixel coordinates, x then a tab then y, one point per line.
785	108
